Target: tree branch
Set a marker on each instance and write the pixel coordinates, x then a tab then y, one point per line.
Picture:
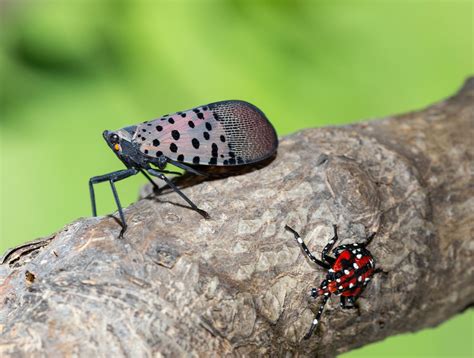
180	285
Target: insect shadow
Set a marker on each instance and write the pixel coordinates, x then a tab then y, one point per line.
186	180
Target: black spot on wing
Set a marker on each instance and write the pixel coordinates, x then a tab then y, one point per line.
175	134
206	135
173	147
195	143
215	149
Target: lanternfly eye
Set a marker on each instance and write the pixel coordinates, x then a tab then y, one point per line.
114	138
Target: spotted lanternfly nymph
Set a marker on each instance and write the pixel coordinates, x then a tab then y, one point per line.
227	133
348	273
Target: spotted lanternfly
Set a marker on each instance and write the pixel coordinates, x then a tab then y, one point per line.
348	273
227	133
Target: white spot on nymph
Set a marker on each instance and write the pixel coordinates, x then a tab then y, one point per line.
354	252
351	285
315	321
326	293
347	272
355	265
330	270
324	287
300	240
367	279
359	256
340	287
338	280
356	245
359	279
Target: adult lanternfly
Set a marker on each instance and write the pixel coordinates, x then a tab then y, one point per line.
226	133
348	273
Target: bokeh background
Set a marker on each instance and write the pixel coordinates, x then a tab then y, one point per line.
70	69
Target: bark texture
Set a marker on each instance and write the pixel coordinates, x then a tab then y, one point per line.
237	284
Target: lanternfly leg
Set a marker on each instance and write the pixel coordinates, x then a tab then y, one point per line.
306	250
322	288
117	201
368	240
351	300
180	193
111	177
186	167
328	247
155	186
171	172
317	317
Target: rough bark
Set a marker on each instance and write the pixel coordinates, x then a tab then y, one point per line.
237	284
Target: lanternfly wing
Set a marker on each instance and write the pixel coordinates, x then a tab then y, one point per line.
221	133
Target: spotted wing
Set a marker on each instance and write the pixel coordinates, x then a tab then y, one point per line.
221	133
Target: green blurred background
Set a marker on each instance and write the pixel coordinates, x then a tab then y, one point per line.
70	69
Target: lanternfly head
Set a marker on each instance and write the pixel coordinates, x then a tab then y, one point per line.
112	139
115	139
120	141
